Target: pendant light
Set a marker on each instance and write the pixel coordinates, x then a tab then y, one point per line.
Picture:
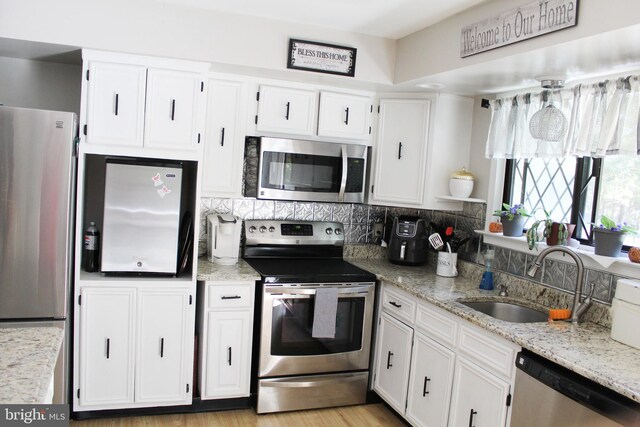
549	124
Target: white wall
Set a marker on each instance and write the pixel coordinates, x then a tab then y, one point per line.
436	49
42	85
152	28
478	164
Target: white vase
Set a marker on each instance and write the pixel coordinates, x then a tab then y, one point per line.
447	264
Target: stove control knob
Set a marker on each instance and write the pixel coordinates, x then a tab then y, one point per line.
329	231
263	229
338	231
272	229
252	229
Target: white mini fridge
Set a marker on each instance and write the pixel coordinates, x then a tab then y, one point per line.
141	217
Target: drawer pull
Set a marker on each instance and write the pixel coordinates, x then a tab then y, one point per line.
173	109
230	297
389	365
286	115
229	355
395	304
346	120
222	138
115	112
108	347
161	347
424	387
471	414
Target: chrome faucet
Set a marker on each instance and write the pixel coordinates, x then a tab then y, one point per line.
579	307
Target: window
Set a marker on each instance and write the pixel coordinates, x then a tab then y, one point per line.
578	190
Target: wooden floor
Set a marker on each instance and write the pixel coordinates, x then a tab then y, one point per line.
356	416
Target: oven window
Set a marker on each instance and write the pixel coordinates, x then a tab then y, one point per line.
292	320
301	172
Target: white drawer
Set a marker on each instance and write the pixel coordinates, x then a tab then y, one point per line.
489	351
237	295
437	324
398	304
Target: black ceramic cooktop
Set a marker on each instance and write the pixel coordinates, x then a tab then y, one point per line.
309	271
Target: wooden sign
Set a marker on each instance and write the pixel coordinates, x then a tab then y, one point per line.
321	58
521	23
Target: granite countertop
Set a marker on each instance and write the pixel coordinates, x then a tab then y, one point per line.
27	359
241	271
586	348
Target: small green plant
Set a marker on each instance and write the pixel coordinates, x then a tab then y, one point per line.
533	234
509	212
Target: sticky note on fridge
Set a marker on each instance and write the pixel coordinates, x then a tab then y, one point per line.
164	191
157	181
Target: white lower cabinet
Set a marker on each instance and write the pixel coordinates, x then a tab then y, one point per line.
436	369
479	398
393	361
430	382
226	333
135	347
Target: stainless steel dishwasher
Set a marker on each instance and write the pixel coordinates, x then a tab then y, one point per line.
546	394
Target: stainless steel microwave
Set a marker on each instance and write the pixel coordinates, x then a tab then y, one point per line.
290	169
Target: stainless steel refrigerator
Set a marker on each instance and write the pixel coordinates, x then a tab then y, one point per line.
37	198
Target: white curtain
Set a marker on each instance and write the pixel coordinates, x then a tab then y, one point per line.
603	119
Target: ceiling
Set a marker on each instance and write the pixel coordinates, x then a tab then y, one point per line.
391	19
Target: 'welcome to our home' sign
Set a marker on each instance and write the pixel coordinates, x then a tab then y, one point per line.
529	20
321	57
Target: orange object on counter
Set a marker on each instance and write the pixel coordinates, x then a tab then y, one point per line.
495	227
559	313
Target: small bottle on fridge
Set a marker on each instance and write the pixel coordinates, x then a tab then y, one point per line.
92	248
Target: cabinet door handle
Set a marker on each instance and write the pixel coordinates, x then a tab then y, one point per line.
230	297
399	150
471	414
346	118
108	347
395	304
389	365
173	109
424	387
229	355
161	347
222	138
115	107
286	115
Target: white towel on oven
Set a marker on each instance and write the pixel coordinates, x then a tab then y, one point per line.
324	314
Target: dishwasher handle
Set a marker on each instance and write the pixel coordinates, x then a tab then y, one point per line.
578	388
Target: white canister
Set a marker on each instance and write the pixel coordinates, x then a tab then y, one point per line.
461	183
625	313
447	264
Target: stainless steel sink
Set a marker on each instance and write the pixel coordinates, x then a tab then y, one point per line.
507	311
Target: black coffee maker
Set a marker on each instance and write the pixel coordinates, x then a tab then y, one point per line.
408	241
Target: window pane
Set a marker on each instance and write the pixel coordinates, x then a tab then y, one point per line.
545	184
619	193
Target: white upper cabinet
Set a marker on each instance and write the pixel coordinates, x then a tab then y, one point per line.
421	141
224	139
344	115
401	152
286	110
172	109
115	104
134	102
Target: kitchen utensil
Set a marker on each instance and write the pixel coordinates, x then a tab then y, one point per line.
436	241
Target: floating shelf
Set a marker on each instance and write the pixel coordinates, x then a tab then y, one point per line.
461	199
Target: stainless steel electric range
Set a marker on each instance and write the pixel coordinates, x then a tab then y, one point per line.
316	315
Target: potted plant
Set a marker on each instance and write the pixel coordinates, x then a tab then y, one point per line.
608	236
513	219
556	233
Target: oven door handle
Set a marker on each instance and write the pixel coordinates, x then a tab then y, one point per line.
303	383
343	181
309	292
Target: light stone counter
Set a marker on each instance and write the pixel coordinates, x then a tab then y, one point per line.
27	361
586	348
241	271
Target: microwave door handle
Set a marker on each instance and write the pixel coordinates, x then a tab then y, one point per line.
343	182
